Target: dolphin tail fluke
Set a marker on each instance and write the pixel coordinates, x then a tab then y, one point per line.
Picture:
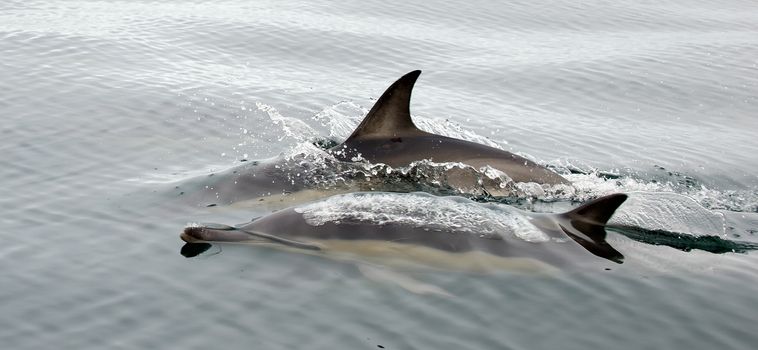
586	225
600	210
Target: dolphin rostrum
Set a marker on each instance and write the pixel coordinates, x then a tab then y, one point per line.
450	232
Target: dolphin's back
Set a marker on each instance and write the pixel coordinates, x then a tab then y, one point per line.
402	151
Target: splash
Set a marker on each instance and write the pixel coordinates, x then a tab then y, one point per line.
292	128
341	118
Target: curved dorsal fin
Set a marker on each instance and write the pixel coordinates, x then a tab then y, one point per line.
391	114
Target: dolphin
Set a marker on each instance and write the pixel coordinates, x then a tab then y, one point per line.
387	135
438	232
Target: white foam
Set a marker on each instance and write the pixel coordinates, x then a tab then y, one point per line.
420	210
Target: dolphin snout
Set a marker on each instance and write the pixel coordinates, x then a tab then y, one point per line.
192	234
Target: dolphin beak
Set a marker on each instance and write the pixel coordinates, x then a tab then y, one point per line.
214	233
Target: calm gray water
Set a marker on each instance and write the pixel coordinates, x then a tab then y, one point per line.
104	104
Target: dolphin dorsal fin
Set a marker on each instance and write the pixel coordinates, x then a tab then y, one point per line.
391	114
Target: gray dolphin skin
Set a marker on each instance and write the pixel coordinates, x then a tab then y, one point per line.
388	135
418	225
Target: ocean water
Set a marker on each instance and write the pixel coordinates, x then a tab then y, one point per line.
106	104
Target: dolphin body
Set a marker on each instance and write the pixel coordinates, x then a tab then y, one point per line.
439	232
386	135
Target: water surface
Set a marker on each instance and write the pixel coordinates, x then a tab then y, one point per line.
106	103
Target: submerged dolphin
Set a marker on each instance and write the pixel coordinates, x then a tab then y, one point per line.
443	232
386	135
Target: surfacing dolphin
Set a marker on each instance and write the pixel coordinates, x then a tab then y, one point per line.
386	135
438	232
